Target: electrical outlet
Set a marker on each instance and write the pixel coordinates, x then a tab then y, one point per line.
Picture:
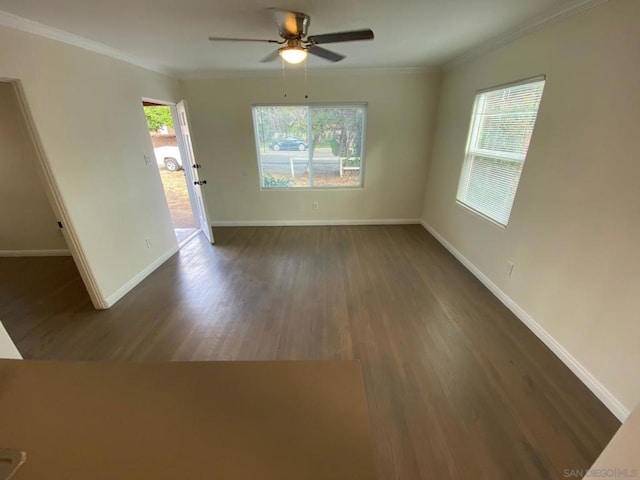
148	159
147	242
508	268
315	206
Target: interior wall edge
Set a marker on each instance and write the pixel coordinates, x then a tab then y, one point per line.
56	200
591	382
133	282
8	349
433	134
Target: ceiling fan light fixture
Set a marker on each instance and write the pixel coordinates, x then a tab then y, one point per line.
293	54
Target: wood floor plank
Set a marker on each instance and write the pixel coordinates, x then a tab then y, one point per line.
458	388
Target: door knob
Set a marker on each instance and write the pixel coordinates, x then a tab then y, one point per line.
197	165
200	182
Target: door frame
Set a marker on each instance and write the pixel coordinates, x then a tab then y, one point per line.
186	165
52	191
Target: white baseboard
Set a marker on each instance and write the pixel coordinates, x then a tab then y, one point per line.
35	253
127	287
599	390
295	223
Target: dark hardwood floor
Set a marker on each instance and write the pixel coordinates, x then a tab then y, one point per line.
458	388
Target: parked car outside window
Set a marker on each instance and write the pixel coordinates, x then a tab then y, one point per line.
289	143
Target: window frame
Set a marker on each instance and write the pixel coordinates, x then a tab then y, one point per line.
472	137
310	106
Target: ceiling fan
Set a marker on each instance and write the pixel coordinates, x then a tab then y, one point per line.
292	27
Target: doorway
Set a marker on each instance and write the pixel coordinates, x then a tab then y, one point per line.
29	221
35	253
173	169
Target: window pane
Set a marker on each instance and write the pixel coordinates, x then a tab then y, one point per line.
310	146
337	146
507	118
501	129
491	187
281	137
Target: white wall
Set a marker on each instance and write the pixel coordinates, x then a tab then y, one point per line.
87	110
26	217
7	348
575	225
401	110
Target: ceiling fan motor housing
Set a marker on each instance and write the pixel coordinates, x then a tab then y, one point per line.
292	25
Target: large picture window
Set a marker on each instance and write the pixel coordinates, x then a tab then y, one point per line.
310	146
501	128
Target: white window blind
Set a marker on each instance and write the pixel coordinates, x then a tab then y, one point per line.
501	128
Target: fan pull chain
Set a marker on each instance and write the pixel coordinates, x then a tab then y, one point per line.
284	79
306	88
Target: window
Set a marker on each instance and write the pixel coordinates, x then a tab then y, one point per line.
501	129
302	146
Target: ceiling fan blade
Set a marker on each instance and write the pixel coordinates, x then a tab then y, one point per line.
324	53
271	57
227	39
291	24
351	36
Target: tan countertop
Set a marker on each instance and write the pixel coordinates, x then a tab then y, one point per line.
186	420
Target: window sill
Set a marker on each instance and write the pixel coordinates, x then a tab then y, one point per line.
303	189
481	215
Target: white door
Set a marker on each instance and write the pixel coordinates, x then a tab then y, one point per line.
190	165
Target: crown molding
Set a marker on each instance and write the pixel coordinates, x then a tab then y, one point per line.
296	72
29	26
569	9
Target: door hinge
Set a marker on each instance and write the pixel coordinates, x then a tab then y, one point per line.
60	225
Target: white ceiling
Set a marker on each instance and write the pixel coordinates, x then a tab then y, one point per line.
172	34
